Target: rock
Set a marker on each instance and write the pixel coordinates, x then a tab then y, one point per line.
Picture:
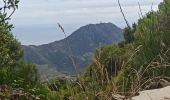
118	97
157	84
164	83
156	94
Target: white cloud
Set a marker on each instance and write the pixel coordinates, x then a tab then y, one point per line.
34	15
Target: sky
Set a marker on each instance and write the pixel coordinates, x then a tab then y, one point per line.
36	21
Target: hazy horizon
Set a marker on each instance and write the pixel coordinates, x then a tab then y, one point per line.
35	22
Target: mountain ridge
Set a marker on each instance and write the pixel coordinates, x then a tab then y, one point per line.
82	42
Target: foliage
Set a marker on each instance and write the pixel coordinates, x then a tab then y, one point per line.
127	68
18	80
132	66
129	33
151	60
10	52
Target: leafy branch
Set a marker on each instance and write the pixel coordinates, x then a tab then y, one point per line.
8	6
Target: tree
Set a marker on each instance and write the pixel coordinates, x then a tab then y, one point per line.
129	34
10	50
12	67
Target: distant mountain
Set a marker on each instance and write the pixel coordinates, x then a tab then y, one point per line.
80	46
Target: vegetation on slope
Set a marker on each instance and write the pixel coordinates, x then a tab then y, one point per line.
141	62
18	80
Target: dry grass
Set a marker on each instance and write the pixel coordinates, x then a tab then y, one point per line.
102	84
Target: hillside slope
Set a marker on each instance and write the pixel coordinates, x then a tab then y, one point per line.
81	45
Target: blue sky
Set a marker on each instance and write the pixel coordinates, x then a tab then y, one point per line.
36	20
